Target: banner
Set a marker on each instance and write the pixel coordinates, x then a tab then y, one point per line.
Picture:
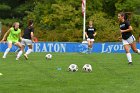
108	47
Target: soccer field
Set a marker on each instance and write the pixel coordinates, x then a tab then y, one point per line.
111	74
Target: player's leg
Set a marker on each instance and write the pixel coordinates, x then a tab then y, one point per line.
29	43
28	51
134	48
8	49
128	54
88	40
127	50
132	42
21	50
91	44
23	43
90	47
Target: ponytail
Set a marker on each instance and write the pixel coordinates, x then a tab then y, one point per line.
30	23
126	15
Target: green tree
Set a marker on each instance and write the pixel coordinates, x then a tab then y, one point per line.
62	19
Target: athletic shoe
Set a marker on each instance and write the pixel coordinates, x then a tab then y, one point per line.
87	52
130	63
25	56
3	57
17	58
90	52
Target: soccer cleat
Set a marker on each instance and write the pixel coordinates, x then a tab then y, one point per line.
25	56
87	52
130	63
3	57
17	58
90	52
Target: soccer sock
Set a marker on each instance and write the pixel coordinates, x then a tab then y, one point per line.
17	50
129	57
6	52
19	54
138	51
28	51
90	49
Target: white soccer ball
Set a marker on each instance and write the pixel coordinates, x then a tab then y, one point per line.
87	68
73	68
48	56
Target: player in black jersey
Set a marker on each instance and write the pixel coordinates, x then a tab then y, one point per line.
128	39
90	33
28	38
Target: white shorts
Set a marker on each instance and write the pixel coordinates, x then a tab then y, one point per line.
26	42
88	39
130	40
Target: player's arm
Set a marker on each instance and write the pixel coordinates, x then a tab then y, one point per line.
95	34
120	38
127	30
20	37
32	36
5	36
86	35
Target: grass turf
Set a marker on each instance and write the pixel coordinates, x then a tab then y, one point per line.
111	74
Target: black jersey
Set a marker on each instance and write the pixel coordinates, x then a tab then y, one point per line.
123	26
27	33
90	31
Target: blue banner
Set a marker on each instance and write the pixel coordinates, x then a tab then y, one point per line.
108	47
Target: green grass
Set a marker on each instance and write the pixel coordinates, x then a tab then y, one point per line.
111	74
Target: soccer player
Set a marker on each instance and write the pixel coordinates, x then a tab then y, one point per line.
128	39
90	33
28	38
13	35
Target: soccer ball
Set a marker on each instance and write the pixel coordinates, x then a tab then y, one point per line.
87	68
73	68
48	56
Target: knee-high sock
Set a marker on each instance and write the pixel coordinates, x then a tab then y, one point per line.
19	54
138	51
90	49
28	51
129	57
6	52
